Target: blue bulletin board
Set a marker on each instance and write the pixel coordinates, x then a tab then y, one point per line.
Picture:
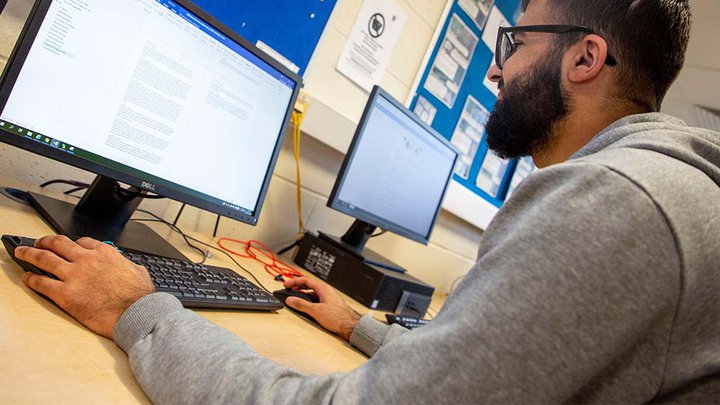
454	97
291	29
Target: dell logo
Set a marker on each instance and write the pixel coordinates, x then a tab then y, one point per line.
148	186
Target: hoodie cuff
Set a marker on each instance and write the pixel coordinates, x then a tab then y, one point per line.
369	334
140	318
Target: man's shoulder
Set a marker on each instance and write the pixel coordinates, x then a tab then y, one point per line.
687	158
646	147
577	190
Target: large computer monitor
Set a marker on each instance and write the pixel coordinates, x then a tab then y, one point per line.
394	175
152	93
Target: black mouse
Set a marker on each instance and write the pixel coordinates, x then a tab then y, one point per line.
282	295
11	242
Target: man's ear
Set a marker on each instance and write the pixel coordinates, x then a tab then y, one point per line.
588	59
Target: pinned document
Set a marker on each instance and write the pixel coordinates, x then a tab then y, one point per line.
371	42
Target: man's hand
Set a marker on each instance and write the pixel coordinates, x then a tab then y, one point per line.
332	312
97	284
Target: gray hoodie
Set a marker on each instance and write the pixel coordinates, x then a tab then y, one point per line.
598	282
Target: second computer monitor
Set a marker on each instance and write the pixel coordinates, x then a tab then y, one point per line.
395	173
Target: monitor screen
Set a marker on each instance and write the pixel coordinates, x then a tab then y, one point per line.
396	172
153	93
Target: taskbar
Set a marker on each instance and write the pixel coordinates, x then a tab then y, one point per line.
37	137
66	147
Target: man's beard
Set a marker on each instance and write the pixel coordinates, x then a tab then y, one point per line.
522	122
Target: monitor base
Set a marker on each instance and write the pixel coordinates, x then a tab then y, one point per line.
63	217
367	256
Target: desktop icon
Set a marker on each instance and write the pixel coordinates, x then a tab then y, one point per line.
47	140
2	124
55	143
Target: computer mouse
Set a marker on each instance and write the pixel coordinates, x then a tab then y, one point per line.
11	242
283	294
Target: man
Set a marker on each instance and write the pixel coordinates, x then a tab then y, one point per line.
597	282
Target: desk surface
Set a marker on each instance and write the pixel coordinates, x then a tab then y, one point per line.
48	357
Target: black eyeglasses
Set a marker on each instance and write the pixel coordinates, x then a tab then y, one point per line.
506	46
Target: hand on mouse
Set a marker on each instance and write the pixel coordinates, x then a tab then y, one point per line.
332	312
96	283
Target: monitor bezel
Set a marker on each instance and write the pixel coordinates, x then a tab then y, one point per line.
384	224
161	186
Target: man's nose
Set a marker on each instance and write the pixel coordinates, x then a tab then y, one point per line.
494	74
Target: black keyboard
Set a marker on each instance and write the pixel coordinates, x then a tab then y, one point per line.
195	285
200	286
409	322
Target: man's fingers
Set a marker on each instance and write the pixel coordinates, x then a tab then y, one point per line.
295	282
60	245
89	243
43	259
42	284
300	304
321	288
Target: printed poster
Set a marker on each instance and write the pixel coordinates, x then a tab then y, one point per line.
477	10
371	42
452	61
491	173
524	167
468	135
425	110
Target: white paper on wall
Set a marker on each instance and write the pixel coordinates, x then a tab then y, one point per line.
477	10
495	21
371	42
491	173
425	110
468	134
451	62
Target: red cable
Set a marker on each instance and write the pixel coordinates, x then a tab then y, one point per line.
275	267
219	242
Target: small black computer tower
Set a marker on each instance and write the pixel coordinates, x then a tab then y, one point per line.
373	285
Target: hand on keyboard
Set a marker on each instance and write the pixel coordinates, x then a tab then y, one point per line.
201	286
96	283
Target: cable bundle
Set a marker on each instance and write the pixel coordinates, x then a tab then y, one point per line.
257	251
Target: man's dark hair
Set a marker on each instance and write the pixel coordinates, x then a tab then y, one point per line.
647	37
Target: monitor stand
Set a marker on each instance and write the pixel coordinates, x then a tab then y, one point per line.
366	256
353	242
103	214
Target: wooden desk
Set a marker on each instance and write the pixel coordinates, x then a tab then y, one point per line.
46	356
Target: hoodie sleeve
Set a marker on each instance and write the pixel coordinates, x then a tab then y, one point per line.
577	269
